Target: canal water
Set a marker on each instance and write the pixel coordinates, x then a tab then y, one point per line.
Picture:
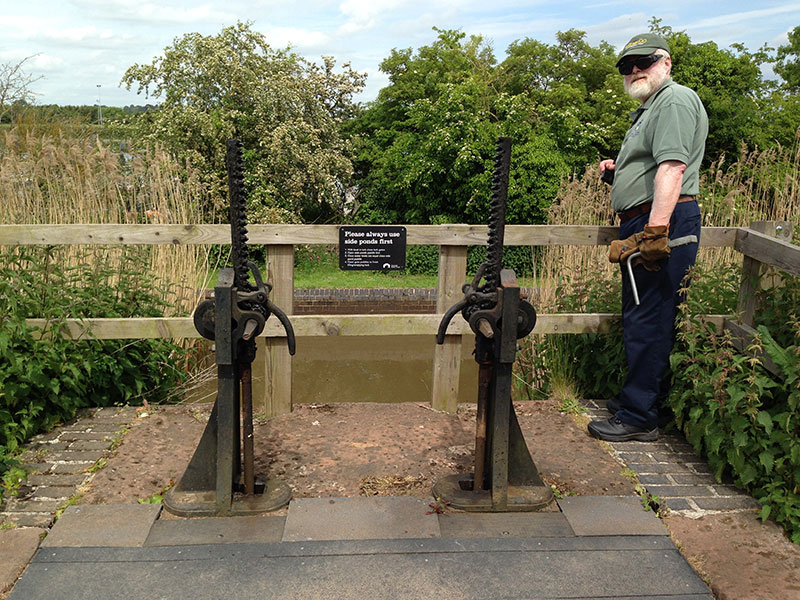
374	369
361	369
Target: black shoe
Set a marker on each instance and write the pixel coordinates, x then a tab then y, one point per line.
614	430
665	416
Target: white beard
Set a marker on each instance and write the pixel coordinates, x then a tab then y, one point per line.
646	84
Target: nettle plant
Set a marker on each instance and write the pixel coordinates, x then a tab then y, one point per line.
743	418
45	378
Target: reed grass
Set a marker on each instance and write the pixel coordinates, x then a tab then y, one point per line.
58	172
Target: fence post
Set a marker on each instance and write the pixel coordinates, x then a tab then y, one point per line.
272	369
447	357
752	270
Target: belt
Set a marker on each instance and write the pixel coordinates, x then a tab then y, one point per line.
641	209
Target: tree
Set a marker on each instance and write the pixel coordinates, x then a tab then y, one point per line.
730	85
787	61
287	112
575	90
427	143
15	86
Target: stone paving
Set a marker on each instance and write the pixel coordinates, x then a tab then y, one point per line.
60	462
671	470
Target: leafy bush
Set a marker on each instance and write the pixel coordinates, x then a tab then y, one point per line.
309	257
745	420
46	379
518	258
424	260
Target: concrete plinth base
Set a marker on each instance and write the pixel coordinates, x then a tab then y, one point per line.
458	491
204	503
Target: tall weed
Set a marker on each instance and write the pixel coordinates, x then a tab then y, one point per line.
53	171
45	378
744	419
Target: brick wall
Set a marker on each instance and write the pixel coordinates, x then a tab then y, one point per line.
349	301
378	301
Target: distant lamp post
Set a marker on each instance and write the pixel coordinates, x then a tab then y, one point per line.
99	106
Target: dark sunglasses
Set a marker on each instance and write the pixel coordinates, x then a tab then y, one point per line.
642	62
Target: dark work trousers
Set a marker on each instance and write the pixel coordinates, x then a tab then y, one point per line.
649	329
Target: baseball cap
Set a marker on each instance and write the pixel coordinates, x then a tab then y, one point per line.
643	44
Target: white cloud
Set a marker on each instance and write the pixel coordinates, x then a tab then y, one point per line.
512	29
620	29
363	15
154	12
745	17
20	26
46	62
297	38
82	43
86	35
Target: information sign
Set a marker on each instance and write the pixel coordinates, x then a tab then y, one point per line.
372	247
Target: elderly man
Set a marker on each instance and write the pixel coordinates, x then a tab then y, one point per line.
655	182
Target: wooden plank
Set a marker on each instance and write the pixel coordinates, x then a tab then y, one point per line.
278	366
447	357
28	235
743	337
718	237
442	235
748	288
123	329
333	326
769	250
320	325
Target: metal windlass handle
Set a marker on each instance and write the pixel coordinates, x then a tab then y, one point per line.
681	241
287	325
448	316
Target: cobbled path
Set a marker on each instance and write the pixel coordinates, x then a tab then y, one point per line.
671	470
61	462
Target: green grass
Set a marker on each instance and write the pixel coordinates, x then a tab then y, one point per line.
319	269
330	276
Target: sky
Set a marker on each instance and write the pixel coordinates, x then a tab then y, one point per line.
80	49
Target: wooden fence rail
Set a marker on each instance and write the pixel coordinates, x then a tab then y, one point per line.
763	245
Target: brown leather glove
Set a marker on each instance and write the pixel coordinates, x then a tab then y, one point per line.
650	266
654	244
620	250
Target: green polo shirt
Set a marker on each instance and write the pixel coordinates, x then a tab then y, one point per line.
671	125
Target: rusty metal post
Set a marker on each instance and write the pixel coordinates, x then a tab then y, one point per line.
484	381
247	432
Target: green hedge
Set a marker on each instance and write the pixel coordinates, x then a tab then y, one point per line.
46	379
424	260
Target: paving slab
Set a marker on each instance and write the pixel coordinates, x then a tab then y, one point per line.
359	519
475	569
17	547
500	525
103	525
216	530
610	515
42	520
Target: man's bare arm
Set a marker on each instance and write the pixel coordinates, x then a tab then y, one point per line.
667	184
